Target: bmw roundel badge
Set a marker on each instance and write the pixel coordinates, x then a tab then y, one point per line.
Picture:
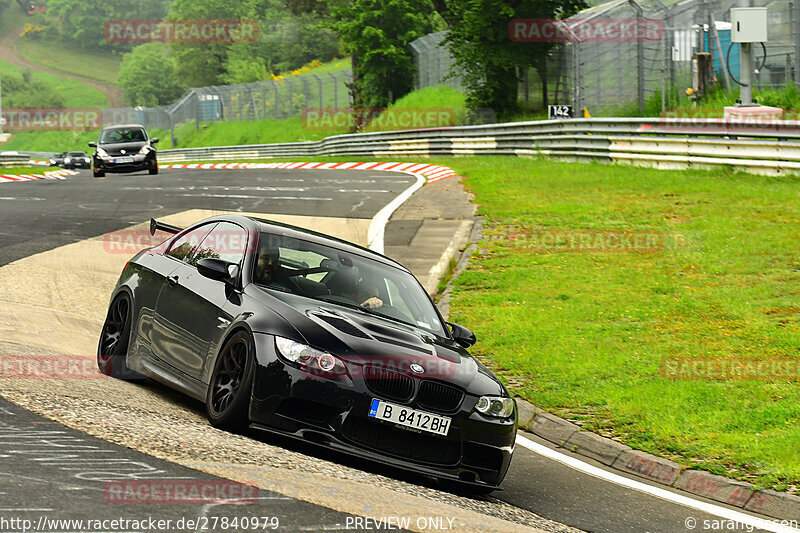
417	369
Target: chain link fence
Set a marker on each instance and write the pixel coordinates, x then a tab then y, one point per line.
276	99
434	62
620	77
629	77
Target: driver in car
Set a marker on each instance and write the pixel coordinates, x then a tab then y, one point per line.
267	266
366	292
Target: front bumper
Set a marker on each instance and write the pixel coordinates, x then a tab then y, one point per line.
332	412
121	164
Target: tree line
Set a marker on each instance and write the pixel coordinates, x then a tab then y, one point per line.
375	33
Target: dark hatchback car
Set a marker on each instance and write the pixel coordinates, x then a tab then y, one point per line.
76	160
125	148
289	331
58	159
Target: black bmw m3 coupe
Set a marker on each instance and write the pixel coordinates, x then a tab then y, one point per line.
294	332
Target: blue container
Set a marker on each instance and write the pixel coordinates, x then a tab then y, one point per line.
719	56
209	108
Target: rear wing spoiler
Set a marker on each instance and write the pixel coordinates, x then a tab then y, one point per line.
156	225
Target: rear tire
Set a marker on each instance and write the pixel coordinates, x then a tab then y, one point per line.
113	346
228	396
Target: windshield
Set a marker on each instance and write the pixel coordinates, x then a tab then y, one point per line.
122	135
331	275
77	154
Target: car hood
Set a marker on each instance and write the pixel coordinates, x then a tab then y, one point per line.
130	148
360	339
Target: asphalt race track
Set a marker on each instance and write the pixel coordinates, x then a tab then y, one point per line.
58	474
39	216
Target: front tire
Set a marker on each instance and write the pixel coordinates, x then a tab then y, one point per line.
153	168
113	346
228	396
98	173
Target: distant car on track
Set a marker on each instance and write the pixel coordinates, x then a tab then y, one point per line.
76	160
124	148
293	332
58	159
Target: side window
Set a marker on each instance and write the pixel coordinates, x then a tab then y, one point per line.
185	246
226	241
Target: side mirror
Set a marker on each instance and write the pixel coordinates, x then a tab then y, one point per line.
462	335
154	140
218	270
92	144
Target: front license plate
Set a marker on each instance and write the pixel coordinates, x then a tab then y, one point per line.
408	417
123	160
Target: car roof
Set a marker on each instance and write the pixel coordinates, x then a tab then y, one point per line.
272	226
117	126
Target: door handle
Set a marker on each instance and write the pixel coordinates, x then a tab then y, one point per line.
172	281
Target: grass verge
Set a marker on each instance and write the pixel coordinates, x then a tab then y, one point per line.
25	170
94	65
76	94
586	335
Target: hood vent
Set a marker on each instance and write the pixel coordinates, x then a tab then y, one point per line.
345	326
416	347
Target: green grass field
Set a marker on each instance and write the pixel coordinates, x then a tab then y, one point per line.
25	170
97	66
331	66
51	141
214	134
250	132
11	16
585	335
75	93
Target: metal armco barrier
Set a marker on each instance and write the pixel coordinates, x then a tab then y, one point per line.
764	147
20	160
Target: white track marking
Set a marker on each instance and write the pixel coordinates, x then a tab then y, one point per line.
377	226
710	508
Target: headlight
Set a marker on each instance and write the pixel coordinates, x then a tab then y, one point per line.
66	160
101	153
144	150
495	406
87	160
309	358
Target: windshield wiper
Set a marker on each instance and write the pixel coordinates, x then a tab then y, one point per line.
345	304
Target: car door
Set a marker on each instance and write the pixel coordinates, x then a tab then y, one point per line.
189	310
171	264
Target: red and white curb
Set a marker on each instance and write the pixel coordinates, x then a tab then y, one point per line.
432	173
53	175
